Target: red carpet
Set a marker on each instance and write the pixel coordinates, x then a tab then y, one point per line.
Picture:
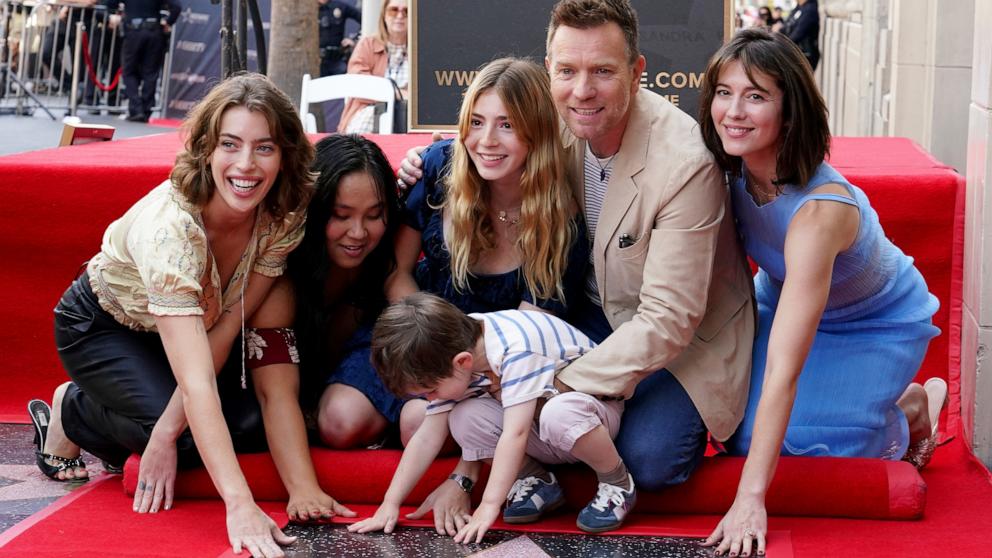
81	524
97	521
873	489
57	203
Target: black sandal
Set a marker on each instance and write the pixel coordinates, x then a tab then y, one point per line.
41	414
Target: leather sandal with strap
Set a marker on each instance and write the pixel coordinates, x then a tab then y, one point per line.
41	414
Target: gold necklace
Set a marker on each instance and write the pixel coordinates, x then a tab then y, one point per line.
758	192
504	217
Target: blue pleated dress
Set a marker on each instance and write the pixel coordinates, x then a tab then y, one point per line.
870	341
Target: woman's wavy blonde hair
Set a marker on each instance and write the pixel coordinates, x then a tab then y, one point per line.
546	228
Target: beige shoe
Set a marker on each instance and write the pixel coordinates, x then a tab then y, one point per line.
920	453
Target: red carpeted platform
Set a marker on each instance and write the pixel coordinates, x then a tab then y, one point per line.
56	205
58	202
873	489
97	520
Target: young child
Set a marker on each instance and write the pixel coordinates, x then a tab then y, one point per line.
488	372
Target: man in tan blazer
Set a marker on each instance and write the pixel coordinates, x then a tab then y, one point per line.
669	292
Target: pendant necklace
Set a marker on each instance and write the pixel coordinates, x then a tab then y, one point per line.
603	168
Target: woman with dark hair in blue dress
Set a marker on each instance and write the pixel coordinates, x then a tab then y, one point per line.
844	318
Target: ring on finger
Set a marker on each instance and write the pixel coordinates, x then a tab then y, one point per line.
141	485
749	533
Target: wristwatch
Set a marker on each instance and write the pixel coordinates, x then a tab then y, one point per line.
463	482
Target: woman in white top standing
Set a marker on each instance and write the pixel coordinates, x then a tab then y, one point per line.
146	331
383	54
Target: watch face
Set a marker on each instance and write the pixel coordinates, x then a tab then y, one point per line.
464	482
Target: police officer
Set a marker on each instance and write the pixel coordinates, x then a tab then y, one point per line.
334	45
143	52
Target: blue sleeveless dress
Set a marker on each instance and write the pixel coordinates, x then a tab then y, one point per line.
870	341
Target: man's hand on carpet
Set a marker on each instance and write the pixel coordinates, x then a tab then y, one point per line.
313	505
156	476
384	520
452	508
742	530
248	527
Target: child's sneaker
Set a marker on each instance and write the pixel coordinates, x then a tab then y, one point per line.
608	509
531	497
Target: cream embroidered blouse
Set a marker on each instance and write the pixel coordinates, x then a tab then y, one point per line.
155	261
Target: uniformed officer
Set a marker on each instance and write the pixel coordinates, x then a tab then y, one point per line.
334	45
146	40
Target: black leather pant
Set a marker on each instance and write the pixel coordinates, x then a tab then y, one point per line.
122	383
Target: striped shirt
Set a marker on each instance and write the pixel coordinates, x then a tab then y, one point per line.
525	350
597	178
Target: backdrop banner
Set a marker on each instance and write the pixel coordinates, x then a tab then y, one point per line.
196	53
450	41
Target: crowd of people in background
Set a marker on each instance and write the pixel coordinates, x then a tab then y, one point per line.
801	24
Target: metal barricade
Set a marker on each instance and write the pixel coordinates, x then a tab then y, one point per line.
58	56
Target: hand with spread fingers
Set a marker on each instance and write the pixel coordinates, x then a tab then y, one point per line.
249	528
313	505
742	531
384	520
451	506
156	476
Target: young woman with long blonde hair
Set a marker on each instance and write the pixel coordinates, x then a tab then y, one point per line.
495	220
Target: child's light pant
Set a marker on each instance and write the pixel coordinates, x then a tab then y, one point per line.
477	423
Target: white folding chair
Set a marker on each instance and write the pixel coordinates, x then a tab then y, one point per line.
362	86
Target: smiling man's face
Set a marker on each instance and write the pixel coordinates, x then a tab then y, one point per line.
593	82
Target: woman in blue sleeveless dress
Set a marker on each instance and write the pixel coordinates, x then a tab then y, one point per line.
844	318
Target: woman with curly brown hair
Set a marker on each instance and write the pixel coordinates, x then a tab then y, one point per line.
146	330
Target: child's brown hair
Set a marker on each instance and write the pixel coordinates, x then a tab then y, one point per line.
416	339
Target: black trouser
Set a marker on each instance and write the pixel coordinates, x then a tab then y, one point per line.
122	383
332	65
142	55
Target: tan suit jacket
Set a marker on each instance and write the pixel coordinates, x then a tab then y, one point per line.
681	296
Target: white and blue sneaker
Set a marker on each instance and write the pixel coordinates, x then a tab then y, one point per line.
608	509
531	497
